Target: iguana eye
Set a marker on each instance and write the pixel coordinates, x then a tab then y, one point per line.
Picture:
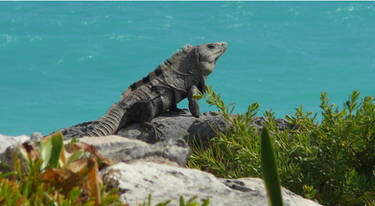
210	46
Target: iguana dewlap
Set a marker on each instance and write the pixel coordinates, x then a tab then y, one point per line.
180	76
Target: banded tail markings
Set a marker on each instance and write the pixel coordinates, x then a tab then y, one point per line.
109	122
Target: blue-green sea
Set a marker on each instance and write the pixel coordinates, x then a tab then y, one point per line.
62	63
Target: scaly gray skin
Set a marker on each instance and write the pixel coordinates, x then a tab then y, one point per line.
178	77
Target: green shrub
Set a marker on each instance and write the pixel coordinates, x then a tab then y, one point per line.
332	161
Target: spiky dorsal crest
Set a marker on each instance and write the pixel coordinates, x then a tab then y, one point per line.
165	66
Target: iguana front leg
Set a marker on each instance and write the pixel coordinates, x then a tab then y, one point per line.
193	103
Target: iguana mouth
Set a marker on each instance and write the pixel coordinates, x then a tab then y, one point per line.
224	48
221	53
217	58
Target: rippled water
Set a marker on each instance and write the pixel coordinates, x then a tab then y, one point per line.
67	62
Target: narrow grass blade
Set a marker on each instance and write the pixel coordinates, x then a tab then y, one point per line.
271	177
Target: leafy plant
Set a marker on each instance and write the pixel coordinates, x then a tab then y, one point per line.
331	161
191	202
53	176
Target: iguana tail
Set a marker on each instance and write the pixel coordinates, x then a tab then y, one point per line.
110	122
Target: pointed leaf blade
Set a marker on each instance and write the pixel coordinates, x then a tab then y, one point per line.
271	177
51	148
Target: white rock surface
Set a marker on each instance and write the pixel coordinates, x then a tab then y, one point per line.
6	141
166	182
117	149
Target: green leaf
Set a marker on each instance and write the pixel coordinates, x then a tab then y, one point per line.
206	202
198	96
74	140
182	201
271	177
50	150
192	202
75	156
149	200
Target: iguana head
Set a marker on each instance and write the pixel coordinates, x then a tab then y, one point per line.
208	54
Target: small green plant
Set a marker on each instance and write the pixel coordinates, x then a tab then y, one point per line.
191	202
48	176
331	161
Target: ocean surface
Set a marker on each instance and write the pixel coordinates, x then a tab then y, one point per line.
62	63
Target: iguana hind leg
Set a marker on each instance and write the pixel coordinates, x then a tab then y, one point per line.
143	112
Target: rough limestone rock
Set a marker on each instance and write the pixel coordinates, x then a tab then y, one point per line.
9	141
119	149
282	124
167	139
171	125
184	125
177	125
165	182
166	142
8	146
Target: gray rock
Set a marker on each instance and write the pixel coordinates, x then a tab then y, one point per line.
166	182
172	125
9	141
282	124
177	125
119	149
165	139
167	134
78	130
8	147
184	125
36	136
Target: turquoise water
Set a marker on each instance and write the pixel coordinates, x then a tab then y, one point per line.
67	62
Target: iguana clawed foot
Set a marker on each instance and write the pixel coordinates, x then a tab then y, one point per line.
178	110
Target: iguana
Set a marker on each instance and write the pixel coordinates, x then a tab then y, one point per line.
180	76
